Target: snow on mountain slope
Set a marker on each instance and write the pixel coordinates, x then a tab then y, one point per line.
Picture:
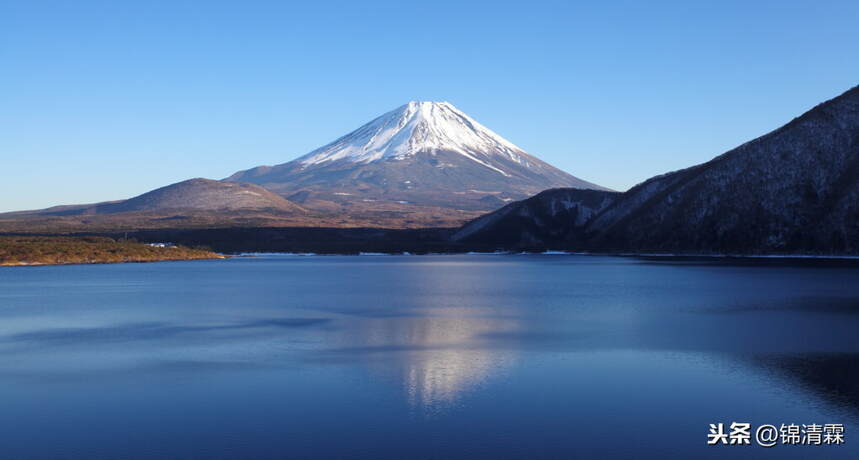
419	127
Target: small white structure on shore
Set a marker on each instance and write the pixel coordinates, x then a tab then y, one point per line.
162	245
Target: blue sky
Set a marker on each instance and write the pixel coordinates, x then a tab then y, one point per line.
104	100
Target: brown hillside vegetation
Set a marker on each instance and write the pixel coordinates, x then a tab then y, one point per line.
41	250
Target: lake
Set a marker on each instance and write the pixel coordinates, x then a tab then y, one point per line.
401	357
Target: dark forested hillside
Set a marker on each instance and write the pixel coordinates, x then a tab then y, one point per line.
794	190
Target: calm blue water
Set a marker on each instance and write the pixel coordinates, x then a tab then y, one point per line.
423	357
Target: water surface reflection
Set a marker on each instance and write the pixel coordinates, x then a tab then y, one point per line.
421	357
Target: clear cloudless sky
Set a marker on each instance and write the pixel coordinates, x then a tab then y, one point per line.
104	100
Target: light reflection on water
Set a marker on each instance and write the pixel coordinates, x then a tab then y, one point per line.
437	358
445	356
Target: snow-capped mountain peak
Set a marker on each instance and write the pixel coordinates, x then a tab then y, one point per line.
421	154
419	127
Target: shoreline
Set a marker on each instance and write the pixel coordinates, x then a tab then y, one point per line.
555	253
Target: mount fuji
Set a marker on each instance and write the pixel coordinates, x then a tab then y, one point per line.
427	155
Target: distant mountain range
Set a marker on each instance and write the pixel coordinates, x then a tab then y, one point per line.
427	164
794	190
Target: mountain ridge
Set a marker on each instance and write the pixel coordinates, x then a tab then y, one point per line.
794	189
794	174
197	194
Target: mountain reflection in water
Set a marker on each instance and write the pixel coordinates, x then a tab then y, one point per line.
437	358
